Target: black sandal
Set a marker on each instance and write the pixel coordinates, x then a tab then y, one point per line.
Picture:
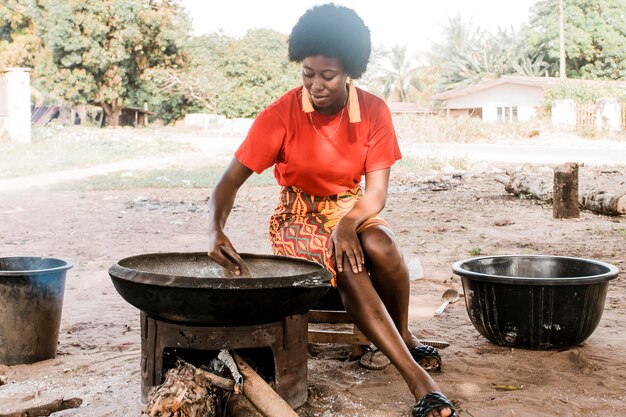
433	401
423	354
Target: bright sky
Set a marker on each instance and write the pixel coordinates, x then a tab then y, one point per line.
391	22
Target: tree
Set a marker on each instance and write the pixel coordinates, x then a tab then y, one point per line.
257	70
18	41
469	55
398	77
196	87
595	36
97	52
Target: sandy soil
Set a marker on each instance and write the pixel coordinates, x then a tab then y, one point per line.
438	219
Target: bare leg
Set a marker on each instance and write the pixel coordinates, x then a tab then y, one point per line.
390	277
367	311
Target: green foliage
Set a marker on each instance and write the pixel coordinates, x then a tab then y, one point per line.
97	52
583	92
18	42
233	77
257	70
469	55
398	77
476	251
595	36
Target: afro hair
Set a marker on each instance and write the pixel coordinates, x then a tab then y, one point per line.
335	32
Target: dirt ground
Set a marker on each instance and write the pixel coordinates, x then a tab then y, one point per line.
438	220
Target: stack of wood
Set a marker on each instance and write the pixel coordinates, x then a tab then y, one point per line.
523	183
187	391
193	392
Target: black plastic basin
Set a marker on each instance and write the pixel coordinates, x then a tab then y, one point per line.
535	301
190	288
31	305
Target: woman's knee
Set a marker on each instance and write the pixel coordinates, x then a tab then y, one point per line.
379	245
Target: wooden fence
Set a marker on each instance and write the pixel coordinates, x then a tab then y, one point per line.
586	119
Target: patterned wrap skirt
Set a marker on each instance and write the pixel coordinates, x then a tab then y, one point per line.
302	224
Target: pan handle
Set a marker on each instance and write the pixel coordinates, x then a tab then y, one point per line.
234	256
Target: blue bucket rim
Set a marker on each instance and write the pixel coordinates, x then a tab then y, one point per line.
612	272
67	265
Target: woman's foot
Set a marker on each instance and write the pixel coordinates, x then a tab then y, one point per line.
434	404
426	356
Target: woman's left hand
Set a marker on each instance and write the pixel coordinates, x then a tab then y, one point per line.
345	241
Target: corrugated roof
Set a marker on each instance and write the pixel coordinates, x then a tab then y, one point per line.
41	116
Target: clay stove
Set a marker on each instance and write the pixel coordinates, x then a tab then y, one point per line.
186	303
287	340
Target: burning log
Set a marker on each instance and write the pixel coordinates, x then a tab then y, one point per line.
47	409
260	394
240	406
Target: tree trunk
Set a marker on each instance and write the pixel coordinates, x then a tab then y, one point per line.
603	202
112	112
519	183
565	193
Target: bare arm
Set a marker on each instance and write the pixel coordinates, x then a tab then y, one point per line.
220	206
344	239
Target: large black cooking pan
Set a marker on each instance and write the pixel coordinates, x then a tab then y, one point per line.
190	288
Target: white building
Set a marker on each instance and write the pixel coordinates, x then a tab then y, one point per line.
504	99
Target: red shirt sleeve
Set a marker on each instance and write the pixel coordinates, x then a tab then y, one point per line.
383	149
262	147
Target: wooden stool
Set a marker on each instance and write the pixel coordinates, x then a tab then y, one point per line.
329	310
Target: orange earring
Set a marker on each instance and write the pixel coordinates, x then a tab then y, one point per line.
307	105
354	110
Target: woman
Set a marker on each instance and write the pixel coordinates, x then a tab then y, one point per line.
321	138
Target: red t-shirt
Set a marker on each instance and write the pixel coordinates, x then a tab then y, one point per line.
284	136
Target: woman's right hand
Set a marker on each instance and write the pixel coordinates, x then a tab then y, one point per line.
217	240
220	204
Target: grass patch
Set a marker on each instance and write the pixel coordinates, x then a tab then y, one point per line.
439	129
412	164
56	148
204	176
476	251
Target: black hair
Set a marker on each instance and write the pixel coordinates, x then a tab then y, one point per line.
335	32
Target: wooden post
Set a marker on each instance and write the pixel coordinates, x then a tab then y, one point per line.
565	192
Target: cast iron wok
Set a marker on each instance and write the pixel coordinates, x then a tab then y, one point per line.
190	288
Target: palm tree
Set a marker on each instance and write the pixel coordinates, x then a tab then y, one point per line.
398	79
470	55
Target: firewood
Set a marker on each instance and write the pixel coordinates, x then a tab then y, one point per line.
187	391
240	406
521	184
603	203
565	192
260	394
46	409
